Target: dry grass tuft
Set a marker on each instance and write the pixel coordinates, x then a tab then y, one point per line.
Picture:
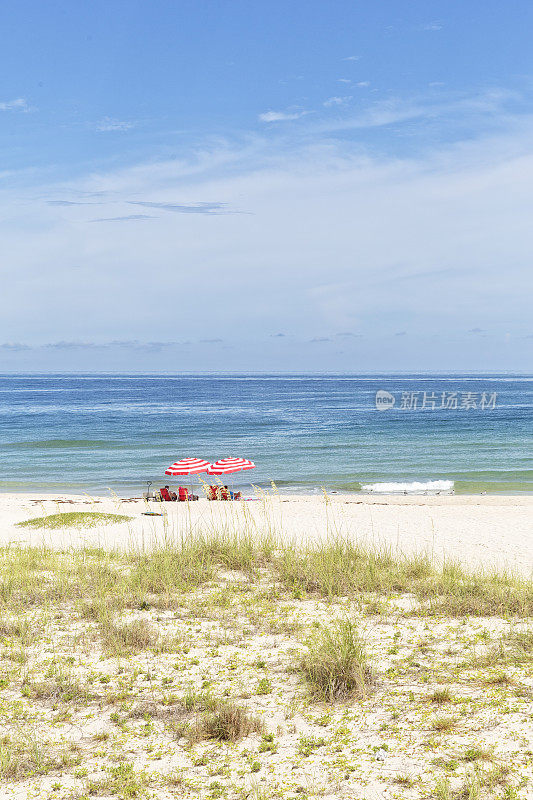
128	637
335	664
227	723
441	696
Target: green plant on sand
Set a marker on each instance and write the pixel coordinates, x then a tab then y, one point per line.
74	519
335	664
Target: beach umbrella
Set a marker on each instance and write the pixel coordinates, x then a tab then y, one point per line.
227	465
188	466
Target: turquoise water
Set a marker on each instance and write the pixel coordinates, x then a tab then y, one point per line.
88	433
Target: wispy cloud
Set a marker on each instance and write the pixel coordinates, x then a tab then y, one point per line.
363	84
68	203
281	116
116	344
127	218
15	347
14	105
111	124
337	101
352	58
432	26
184	208
63	345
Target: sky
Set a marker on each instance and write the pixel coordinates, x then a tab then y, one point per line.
281	186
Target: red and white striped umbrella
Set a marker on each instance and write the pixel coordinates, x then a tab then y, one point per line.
226	465
188	466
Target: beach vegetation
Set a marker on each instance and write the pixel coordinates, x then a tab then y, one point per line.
335	663
201	641
27	755
444	724
127	637
440	696
74	519
225	722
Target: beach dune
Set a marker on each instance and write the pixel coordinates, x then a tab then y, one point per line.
489	531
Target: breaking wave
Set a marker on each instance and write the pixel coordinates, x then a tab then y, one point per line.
414	487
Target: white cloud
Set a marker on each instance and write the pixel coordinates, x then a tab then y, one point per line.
432	26
111	124
14	105
281	116
337	101
363	84
352	58
344	80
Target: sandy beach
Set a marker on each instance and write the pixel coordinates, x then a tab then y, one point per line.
492	531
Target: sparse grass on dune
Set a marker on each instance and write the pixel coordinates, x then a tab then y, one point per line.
74	519
26	757
339	568
127	637
345	568
217	659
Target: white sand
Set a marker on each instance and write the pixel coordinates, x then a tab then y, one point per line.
493	531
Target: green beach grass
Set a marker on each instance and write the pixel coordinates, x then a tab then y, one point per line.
74	519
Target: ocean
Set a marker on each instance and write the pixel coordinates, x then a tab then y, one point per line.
101	433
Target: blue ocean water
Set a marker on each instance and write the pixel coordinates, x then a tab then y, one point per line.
94	432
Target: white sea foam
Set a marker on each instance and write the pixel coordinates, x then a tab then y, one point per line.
409	488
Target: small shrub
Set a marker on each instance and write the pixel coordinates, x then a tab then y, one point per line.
228	723
441	696
335	664
268	743
476	754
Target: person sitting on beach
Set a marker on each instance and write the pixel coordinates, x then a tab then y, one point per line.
184	495
167	495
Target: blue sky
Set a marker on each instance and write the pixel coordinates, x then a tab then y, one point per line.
301	186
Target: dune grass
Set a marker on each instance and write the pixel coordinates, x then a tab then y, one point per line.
339	568
227	722
335	663
346	568
74	519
